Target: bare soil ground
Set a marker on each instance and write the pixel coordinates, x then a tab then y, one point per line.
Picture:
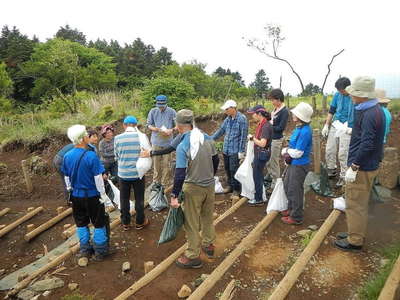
331	274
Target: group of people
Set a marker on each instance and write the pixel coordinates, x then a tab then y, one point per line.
360	136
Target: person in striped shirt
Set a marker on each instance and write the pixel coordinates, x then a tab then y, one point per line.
127	151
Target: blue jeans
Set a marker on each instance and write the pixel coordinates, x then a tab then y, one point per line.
258	177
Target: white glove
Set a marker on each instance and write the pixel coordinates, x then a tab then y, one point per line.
284	150
249	137
325	130
104	198
241	155
349	131
350	175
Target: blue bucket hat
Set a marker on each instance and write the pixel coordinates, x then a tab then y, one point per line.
130	120
161	101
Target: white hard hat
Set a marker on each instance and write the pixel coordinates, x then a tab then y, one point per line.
303	111
76	133
229	103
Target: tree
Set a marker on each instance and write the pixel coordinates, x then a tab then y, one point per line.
329	69
261	83
15	49
180	93
73	35
235	75
6	84
310	90
62	67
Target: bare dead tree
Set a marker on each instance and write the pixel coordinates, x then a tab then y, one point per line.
274	38
329	69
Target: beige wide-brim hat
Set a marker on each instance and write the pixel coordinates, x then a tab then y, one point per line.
362	86
381	95
303	111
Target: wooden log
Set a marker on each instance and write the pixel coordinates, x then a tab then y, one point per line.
324	104
392	283
55	262
283	289
66	226
4	211
27	176
20	221
314	104
60	209
229	291
48	224
2	226
161	267
148	266
245	244
317	151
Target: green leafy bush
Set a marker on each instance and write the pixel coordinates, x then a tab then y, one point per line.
179	92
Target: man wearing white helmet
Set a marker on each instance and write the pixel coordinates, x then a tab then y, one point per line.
83	176
297	157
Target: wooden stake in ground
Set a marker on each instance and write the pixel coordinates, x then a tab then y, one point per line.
161	267
4	211
317	151
55	262
245	244
229	291
20	221
27	176
48	224
392	283
284	287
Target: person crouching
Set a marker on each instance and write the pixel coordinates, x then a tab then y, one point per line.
297	158
83	176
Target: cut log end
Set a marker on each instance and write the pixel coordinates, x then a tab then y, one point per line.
60	209
148	266
30	227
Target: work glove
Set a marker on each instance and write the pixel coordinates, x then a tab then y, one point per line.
241	155
250	137
350	175
284	151
349	131
325	130
104	198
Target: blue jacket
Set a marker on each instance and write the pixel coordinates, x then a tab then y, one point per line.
301	139
366	144
342	108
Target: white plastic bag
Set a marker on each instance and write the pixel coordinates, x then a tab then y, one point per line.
143	164
278	200
117	197
340	127
218	186
245	174
158	201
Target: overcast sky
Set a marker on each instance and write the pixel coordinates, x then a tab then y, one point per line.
212	32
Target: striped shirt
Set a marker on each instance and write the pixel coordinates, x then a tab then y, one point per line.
127	150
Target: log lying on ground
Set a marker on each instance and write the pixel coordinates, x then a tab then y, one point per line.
161	267
392	283
48	224
21	220
284	287
4	211
245	244
55	262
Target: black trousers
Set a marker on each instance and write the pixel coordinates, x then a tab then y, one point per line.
138	190
231	164
88	210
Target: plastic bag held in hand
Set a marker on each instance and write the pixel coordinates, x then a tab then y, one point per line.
173	223
325	130
350	175
218	186
143	164
341	128
158	201
278	200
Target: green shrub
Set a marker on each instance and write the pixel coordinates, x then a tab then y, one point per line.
6	105
179	92
106	112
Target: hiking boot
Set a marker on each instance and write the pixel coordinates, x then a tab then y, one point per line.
342	235
87	254
227	190
285	213
126	227
187	263
141	226
340	182
209	250
255	203
98	256
332	173
289	220
344	245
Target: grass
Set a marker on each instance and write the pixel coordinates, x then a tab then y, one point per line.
79	296
371	289
307	239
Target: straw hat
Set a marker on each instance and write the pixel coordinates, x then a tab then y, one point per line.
381	96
